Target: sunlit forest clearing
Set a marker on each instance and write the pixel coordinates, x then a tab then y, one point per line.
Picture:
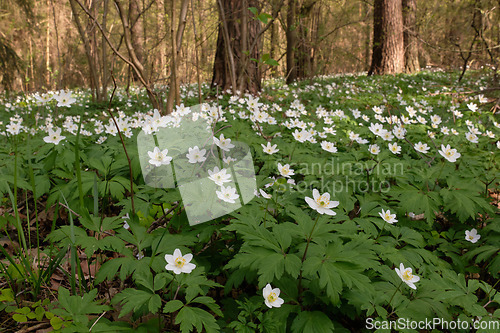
246	166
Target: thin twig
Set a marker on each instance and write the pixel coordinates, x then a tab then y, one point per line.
123	144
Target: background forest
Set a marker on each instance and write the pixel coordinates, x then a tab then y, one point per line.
54	44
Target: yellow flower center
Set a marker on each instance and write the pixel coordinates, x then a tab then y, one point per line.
407	275
387	216
322	201
180	261
471	238
272	297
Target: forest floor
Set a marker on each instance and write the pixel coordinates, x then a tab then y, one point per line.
340	202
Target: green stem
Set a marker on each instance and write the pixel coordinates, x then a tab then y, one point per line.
380	233
395	292
77	163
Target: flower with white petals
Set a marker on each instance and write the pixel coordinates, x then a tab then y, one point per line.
450	154
285	170
125	221
322	203
196	155
64	99
394	148
374	149
472	236
54	136
270	149
471	137
223	143
271	296
407	276
159	157
227	194
422	147
328	146
264	194
179	263
219	176
472	107
387	216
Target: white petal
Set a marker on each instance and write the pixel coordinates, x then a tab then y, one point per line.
177	253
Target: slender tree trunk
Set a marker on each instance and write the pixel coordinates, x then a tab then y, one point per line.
93	78
47	47
410	32
136	31
195	35
176	40
367	33
291	42
104	60
388	42
203	44
274	46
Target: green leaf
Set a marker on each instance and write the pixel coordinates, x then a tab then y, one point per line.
312	322
190	317
20	318
264	17
172	306
253	10
56	323
134	300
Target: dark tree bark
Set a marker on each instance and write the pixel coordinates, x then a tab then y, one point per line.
136	31
231	43
409	35
388	42
291	41
304	55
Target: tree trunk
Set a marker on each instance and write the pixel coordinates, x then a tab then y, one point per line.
229	57
410	32
136	31
274	46
176	41
388	42
367	36
291	42
93	76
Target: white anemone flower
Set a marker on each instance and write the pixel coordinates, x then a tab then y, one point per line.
223	143
178	263
271	296
159	157
472	235
54	136
387	216
227	194
219	177
322	203
407	276
196	155
268	149
450	154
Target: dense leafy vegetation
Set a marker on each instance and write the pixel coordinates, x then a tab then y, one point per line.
86	240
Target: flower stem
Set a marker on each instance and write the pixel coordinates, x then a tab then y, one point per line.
380	233
304	256
395	292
